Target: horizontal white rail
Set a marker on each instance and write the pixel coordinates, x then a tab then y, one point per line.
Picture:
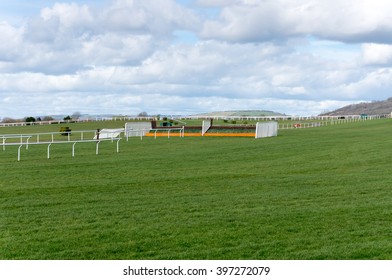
181	130
195	117
154	130
38	136
20	145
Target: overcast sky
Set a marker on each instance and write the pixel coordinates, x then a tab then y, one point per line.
300	57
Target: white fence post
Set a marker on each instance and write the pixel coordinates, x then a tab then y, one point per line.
118	145
49	150
19	152
73	149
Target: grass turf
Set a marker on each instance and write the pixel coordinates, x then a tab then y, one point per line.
320	193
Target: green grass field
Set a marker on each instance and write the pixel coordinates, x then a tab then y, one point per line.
320	193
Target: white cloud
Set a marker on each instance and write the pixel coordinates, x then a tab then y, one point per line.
374	54
159	18
346	21
378	82
128	56
11	42
69	15
217	3
66	37
114	49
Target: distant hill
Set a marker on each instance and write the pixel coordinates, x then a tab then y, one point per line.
369	108
242	113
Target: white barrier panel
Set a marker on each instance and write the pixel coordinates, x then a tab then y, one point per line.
266	129
135	129
109	133
206	126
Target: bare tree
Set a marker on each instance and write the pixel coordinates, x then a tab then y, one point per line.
48	118
143	114
9	120
76	115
